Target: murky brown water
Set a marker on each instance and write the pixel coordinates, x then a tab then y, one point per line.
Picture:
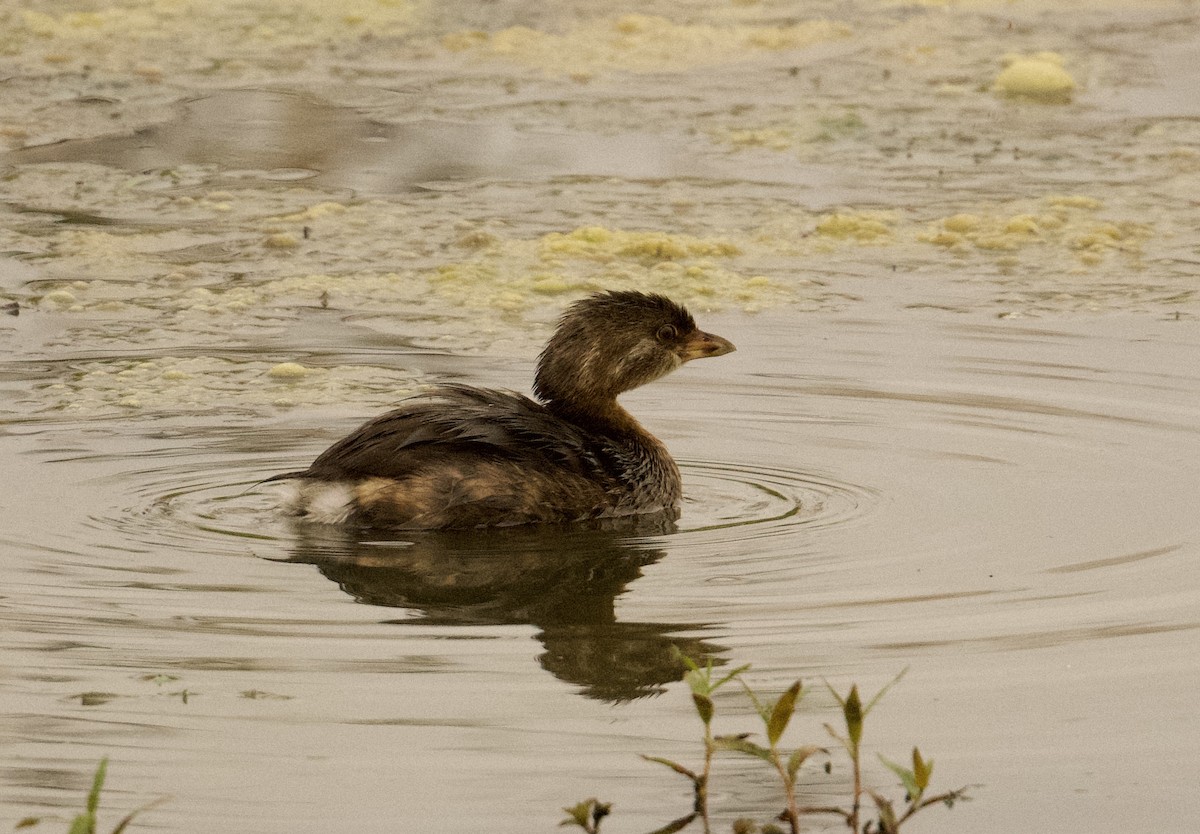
961	433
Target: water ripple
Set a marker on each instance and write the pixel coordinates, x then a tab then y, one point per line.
215	506
723	498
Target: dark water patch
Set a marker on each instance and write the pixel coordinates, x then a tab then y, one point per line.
288	137
1129	558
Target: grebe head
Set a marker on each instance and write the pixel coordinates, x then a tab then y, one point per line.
614	341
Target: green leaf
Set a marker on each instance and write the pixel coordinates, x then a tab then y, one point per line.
684	659
704	706
906	776
740	744
84	824
93	800
922	770
852	711
781	714
28	822
128	818
834	692
698	679
124	823
675	766
576	814
730	676
799	756
875	700
762	711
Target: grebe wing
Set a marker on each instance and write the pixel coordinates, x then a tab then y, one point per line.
458	420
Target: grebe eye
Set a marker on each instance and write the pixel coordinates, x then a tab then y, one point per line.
667	333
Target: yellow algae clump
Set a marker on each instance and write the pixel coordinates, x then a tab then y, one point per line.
207	383
1038	76
462	41
509	301
552	285
654	247
39	23
1073	201
62	299
513	274
168	35
803	127
289	370
1021	224
775	138
639	43
990	232
942	238
954	231
281	240
962	223
599	243
996	243
863	227
477	240
1101	236
1066	222
584	242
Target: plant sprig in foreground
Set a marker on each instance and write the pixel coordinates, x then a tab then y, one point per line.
776	715
86	822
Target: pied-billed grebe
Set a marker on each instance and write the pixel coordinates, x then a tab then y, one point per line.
461	457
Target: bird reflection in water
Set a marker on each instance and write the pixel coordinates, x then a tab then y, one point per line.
563	580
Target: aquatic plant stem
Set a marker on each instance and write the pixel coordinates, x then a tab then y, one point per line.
702	782
791	813
948	798
857	803
700	681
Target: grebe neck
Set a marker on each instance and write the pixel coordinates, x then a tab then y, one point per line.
605	417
